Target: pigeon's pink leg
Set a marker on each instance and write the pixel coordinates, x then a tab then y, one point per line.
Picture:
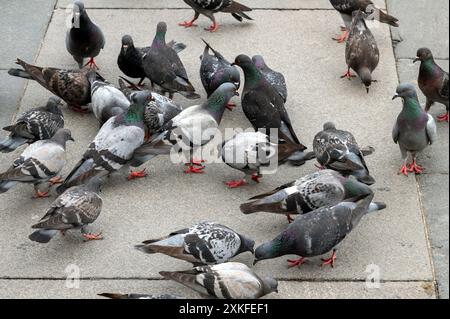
188	24
92	64
195	170
213	28
404	170
443	118
140	174
330	261
197	162
343	37
40	194
348	75
90	237
415	168
231	106
320	167
79	109
290	219
56	180
236	184
296	262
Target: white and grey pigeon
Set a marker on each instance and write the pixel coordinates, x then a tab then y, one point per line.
107	101
39	164
224	281
76	208
36	124
84	39
338	150
311	192
275	78
209	7
138	296
414	129
361	52
253	153
204	243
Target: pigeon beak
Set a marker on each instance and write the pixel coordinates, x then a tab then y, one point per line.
237	85
125	48
72	139
367	89
236	93
395	96
255	262
233	64
416	60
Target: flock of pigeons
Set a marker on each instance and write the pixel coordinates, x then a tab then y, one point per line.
137	125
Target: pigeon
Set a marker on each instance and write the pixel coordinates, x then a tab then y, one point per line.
264	107
317	233
70	85
113	147
204	243
76	208
34	125
209	7
39	164
138	296
253	152
163	66
433	81
216	70
107	101
224	281
197	125
338	150
361	52
130	58
347	7
276	79
414	129
84	39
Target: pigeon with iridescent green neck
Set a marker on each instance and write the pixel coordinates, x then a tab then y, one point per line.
433	81
414	129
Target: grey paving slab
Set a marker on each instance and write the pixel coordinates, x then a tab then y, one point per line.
423	23
394	240
11	90
15	289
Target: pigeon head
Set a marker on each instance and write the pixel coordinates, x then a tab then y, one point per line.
220	98
94	184
53	104
127	42
366	78
270	285
329	126
243	61
139	101
258	60
354	189
160	37
62	136
252	74
405	90
423	54
272	249
141	97
79	14
247	244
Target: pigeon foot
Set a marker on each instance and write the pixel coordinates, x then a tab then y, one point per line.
290	219
296	262
343	37
90	237
56	180
188	24
40	194
256	178
415	168
213	28
404	170
320	167
236	184
330	261
140	174
348	75
230	106
92	64
192	169
79	109
443	118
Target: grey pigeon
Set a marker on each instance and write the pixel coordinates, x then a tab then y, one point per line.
253	153
318	232
76	208
216	70
138	296
414	129
338	150
204	243
163	66
316	190
130	58
347	7
224	281
209	7
39	163
70	85
433	81
36	124
273	77
84	39
361	52
107	101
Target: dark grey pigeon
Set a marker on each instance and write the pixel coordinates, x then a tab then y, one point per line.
361	52
318	232
84	39
130	58
138	296
163	66
338	150
347	7
202	244
224	281
433	81
414	130
36	124
209	7
39	164
273	77
216	70
316	190
76	208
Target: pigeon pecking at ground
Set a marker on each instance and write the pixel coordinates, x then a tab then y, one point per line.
361	52
273	77
318	232
76	208
34	125
209	7
347	7
338	150
84	39
215	70
70	85
138	296
316	190
414	129
433	81
163	66
204	243
39	164
224	281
